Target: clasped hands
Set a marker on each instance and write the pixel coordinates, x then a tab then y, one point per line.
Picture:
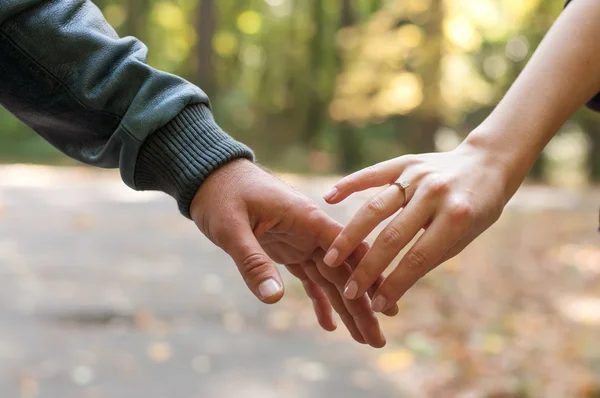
260	221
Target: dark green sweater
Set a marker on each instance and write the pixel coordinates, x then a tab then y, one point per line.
66	74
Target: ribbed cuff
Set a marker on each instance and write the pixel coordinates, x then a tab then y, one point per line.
177	158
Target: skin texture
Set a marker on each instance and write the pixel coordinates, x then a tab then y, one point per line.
455	196
260	221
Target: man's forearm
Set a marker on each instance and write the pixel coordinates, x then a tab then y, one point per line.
562	75
66	73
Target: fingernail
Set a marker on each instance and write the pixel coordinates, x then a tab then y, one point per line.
331	257
269	288
351	290
378	303
329	195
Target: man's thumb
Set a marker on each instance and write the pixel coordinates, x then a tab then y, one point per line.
257	269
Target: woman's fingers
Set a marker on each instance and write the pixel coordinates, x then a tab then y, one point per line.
391	311
353	261
321	304
443	233
371	214
327	237
396	235
375	176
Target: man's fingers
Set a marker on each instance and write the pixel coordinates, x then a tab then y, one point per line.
335	299
257	269
359	309
371	214
321	303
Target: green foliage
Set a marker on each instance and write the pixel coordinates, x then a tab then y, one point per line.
350	81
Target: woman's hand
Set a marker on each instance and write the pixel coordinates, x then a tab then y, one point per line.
454	196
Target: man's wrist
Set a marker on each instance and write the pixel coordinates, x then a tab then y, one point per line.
180	156
224	175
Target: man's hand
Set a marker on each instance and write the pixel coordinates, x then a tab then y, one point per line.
260	221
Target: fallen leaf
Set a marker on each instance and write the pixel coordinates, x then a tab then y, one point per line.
159	352
395	360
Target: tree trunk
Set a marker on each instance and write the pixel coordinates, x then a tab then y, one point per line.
591	126
206	25
100	4
314	114
375	5
350	145
536	172
430	112
595	154
137	12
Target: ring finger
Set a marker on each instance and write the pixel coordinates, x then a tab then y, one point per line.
371	214
424	256
395	236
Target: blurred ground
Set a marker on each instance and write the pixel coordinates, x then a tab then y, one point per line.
106	292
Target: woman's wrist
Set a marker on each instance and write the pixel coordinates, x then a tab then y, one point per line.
510	161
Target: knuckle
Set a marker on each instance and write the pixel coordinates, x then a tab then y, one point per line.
408	160
312	213
311	209
437	186
375	206
391	236
461	211
417	262
253	264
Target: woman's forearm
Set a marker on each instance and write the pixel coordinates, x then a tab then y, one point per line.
562	75
457	195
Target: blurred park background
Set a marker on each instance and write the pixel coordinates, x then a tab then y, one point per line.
110	293
333	86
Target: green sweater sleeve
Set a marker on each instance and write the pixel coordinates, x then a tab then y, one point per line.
91	94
